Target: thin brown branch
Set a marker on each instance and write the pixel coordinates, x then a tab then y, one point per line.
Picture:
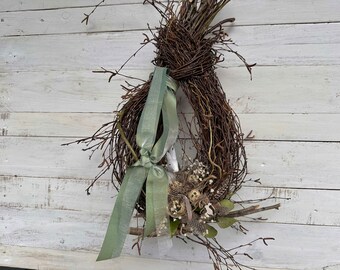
116	73
252	210
87	16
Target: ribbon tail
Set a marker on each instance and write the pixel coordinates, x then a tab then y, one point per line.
119	224
148	123
170	127
150	224
157	202
157	181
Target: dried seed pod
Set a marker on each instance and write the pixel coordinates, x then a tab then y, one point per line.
193	179
176	207
175	187
194	196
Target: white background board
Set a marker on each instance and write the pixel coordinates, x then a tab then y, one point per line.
49	96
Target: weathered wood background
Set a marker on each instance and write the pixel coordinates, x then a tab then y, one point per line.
48	96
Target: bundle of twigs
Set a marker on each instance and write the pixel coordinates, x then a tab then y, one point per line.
190	45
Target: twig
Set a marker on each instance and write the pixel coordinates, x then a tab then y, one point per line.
122	134
115	73
87	16
252	210
133	55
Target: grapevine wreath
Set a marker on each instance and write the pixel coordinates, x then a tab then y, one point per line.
179	171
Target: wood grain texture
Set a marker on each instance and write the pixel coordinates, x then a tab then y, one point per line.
292	127
40	258
285	90
58	21
57	194
18	5
53	124
115	17
77	231
83	51
298	206
49	96
278	164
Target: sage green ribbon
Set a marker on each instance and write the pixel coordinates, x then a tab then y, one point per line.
161	100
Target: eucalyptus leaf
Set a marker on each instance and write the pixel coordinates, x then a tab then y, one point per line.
227	204
225	222
174	226
211	232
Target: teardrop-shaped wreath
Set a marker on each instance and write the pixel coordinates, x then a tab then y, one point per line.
178	170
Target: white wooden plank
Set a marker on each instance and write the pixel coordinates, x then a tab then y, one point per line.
302	207
47	259
74	52
272	90
69	194
57	193
283	127
300	127
52	124
283	89
273	12
46	157
38	258
56	229
323	33
278	164
285	34
114	17
294	247
54	91
18	5
288	55
108	18
294	164
69	230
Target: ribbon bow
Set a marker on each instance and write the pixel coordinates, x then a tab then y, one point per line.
161	99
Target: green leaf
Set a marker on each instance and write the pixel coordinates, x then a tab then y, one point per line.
225	222
211	231
174	226
227	204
